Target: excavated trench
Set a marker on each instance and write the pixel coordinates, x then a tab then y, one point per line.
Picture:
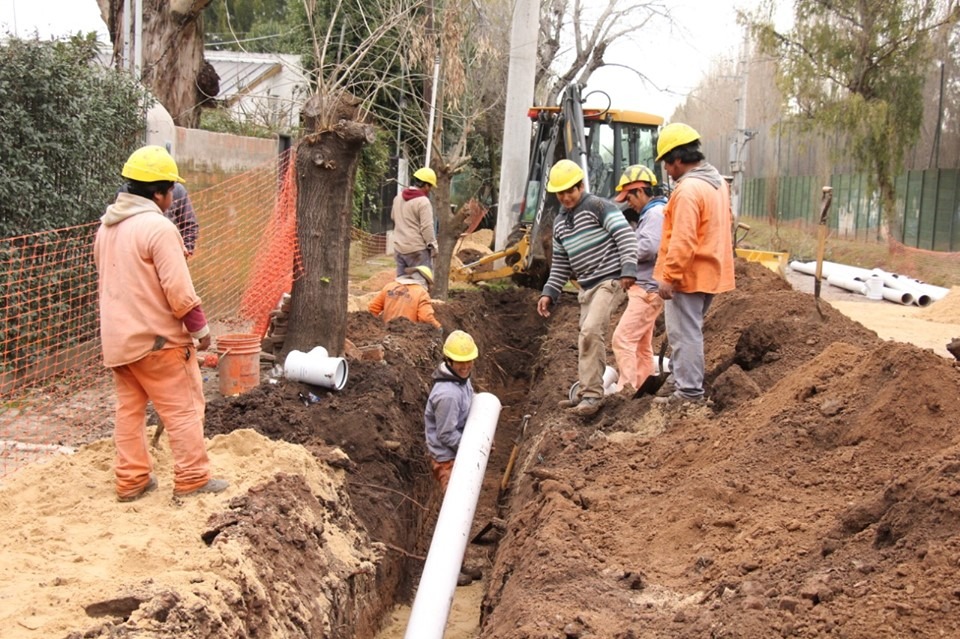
815	497
773	512
377	421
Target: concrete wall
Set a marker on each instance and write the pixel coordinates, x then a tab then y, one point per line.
206	152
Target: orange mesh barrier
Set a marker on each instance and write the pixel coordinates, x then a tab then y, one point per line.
277	261
54	389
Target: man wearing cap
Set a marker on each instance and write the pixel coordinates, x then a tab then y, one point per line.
594	245
695	261
414	238
150	316
407	296
632	343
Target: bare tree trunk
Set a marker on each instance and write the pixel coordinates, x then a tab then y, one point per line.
326	168
448	232
172	52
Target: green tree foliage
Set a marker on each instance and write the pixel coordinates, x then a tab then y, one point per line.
66	127
257	26
857	68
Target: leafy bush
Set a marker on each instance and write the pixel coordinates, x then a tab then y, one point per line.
66	127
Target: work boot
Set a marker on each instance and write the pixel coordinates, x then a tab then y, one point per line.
567	404
134	496
588	406
212	486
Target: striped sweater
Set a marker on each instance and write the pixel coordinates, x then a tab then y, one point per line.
591	244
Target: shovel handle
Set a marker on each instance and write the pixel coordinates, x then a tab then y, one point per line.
825	201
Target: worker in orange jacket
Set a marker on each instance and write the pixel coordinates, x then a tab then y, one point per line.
407	296
695	260
150	316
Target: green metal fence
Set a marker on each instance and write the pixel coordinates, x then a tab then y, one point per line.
927	214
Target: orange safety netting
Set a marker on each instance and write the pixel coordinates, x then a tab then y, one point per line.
54	389
278	260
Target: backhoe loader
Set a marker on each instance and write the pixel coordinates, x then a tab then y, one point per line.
602	141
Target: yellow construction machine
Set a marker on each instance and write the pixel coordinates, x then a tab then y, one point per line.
603	141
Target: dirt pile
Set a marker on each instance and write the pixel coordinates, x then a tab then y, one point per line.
78	564
815	497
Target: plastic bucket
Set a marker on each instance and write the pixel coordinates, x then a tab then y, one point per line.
239	365
316	368
610	377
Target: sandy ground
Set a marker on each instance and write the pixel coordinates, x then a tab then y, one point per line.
931	327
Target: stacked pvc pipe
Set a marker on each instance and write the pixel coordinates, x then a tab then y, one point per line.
896	288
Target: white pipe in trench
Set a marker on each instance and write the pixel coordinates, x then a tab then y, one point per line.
431	606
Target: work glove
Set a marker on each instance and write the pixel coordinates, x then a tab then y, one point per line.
433	251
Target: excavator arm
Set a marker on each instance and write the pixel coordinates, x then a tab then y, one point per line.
469	272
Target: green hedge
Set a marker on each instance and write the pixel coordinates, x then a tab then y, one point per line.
67	125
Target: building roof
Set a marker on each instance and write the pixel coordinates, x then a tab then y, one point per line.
240	73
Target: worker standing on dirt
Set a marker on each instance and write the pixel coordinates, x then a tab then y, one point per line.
695	261
150	316
593	244
414	238
407	296
632	343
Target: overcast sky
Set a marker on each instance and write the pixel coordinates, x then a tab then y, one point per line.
673	57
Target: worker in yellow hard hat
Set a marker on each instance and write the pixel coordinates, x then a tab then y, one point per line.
407	296
632	342
695	260
445	415
150	324
594	245
414	237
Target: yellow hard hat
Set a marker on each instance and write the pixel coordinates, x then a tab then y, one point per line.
151	164
460	347
563	175
635	174
426	175
674	135
427	273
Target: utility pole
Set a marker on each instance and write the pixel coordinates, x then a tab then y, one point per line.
515	154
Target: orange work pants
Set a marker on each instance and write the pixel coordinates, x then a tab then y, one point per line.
441	472
170	378
632	342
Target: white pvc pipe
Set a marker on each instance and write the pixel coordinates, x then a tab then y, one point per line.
900	283
431	606
921	292
610	379
847	283
900	297
859	286
316	368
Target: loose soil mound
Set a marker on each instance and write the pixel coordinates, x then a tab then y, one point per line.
815	497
